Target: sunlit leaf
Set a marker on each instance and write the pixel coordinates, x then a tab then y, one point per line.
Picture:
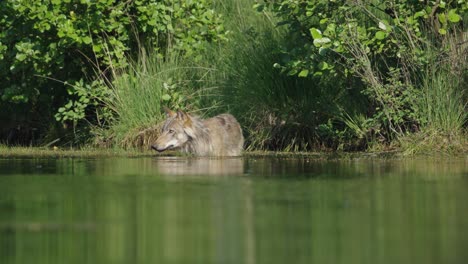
316	34
380	35
453	16
304	73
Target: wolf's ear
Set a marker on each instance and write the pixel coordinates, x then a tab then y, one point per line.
186	120
169	112
184	117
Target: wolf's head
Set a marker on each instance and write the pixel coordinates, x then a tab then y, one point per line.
175	132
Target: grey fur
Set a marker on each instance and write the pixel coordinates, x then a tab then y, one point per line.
217	136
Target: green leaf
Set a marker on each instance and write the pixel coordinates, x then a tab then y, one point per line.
316	34
304	73
323	21
169	27
453	16
166	97
442	31
87	39
321	41
442	18
323	65
380	35
421	13
97	48
21	56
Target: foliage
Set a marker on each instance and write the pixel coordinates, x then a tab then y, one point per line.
388	45
298	74
322	29
86	96
47	45
277	111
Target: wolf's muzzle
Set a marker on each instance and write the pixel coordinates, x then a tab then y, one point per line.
160	149
156	148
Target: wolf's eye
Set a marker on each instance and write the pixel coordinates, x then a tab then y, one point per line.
171	131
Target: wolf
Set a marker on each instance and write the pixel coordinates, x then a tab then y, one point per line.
217	136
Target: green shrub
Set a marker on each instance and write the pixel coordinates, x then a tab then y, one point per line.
50	51
277	111
383	44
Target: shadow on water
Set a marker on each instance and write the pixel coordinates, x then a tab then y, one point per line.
236	210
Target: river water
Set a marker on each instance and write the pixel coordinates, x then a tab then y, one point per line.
236	210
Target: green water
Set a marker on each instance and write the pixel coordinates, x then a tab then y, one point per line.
251	210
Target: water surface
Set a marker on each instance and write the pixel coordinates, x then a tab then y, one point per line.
238	210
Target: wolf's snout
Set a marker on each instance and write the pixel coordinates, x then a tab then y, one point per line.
159	149
156	148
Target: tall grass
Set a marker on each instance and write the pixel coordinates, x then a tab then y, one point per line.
442	108
442	105
140	91
277	111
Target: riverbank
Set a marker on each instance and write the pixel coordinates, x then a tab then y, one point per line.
89	152
56	152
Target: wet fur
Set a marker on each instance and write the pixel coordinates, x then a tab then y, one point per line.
217	136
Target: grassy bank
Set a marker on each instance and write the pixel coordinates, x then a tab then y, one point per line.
90	152
55	152
365	99
300	76
62	152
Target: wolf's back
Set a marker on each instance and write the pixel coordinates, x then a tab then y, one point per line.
225	135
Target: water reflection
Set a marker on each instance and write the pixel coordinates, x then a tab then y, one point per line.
199	166
175	210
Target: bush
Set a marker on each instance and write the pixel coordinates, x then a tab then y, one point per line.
50	51
389	46
277	111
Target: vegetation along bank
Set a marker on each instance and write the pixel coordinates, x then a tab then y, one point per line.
298	75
